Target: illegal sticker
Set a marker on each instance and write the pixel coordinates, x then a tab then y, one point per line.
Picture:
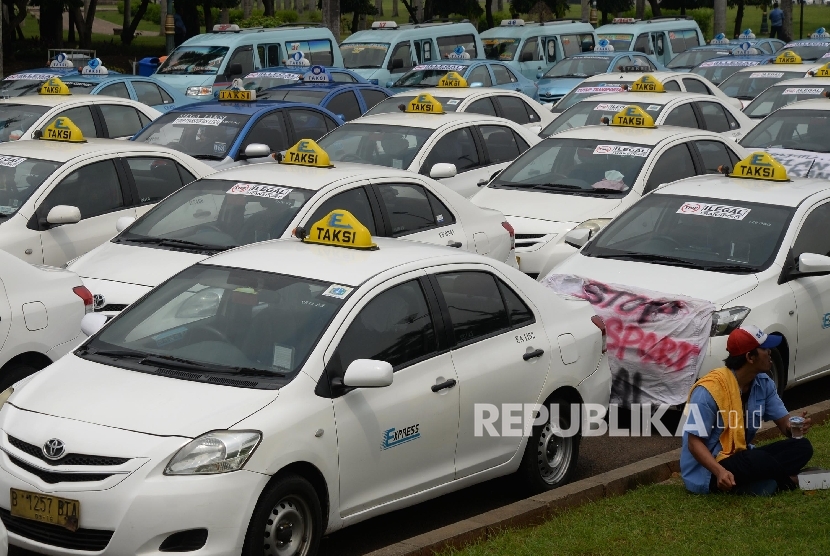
337	291
654	107
258	190
453	101
620	150
11	161
604	89
30	77
193	119
274	75
803	91
765	74
739	63
711	209
441	67
604	106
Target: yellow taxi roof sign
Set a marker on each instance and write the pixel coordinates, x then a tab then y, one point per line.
647	84
788	57
307	153
632	116
237	93
452	80
62	129
424	104
823	71
341	229
760	166
54	87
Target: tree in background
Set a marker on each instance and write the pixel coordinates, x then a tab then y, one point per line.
471	9
558	7
357	8
613	7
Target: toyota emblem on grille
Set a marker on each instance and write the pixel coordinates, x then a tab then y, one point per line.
54	449
98	301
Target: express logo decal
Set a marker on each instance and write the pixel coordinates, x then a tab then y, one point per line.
395	437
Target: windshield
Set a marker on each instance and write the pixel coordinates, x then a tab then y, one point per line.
23	84
589	167
496	48
717	73
808	51
781	95
804	130
359	55
428	76
194	59
581	66
16	119
393	104
746	85
381	145
589	112
203	135
261	80
210	321
19	178
691	58
619	42
211	214
296	95
585	91
709	234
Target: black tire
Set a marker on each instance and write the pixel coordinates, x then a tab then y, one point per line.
13	373
777	373
287	520
549	460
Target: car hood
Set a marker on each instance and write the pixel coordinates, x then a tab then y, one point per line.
545	206
181	82
367	73
133	264
75	388
559	84
803	164
718	287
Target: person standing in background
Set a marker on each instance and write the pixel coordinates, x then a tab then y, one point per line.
776	22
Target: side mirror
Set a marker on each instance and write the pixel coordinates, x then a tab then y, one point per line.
92	323
526	57
257	150
63	214
443	170
736	103
539	75
123	223
809	263
389	84
368	373
578	237
234	69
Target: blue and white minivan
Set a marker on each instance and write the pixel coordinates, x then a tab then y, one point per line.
532	48
662	38
215	59
388	50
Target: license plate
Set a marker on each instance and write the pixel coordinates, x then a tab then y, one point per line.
46	509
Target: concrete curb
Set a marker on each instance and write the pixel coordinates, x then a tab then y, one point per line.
541	507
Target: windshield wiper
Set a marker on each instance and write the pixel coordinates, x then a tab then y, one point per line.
728	268
570	75
171	242
207	157
363	67
649	257
170	361
745	97
116	353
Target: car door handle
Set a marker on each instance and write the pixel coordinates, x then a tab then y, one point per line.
533	354
456	244
444	385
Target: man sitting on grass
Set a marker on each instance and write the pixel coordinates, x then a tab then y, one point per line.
725	410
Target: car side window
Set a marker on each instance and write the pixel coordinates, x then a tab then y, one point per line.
402	52
500	143
695	86
480	75
482	106
307	124
642	44
503	75
474	303
517	310
94	189
395	326
144	119
813	236
523	146
643	61
674	164
115	90
408	208
346	104
268	130
682	116
372	97
516	110
185	174
530	50
355	201
443	215
733	123
456	147
243	56
713	117
81	116
155	178
269	55
122	121
714	154
671	86
148	93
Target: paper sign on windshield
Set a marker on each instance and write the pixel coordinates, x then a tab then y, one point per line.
274	75
803	91
711	209
765	74
258	190
718	63
440	67
11	161
606	89
610	107
191	119
620	150
30	76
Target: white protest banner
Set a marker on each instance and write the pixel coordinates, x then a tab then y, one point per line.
803	164
656	341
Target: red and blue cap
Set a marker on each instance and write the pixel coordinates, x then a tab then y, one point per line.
746	338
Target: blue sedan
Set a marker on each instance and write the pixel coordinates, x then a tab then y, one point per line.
687	60
347	100
226	134
478	73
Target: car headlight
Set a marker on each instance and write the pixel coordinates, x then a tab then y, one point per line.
727	320
595	225
5	395
199	91
214	452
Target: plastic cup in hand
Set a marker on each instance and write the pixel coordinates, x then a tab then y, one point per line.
797	427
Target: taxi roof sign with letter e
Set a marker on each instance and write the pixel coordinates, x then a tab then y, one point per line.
339	228
54	87
317	74
237	93
61	61
823	71
820	34
307	153
632	116
720	38
647	84
788	57
760	166
452	80
424	104
63	129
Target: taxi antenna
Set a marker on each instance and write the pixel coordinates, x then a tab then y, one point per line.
402	107
605	120
300	233
724	169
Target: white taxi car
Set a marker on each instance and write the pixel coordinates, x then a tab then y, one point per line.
41	308
267	201
747	83
692	110
61	196
578	180
96	115
460	149
786	92
281	391
759	249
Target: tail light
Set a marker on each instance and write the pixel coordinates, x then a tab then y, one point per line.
597	320
86	296
512	232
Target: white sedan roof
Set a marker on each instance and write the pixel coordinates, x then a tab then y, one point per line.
636	135
459	92
788	194
781	67
428	121
630	77
55	100
61	151
651	98
812	104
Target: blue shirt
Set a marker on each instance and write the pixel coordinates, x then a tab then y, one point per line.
764	404
776	17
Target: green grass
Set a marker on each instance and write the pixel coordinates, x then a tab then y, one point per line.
665	519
